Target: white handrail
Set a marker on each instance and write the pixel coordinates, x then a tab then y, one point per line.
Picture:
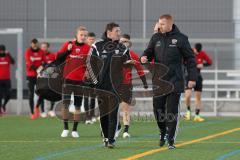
146	40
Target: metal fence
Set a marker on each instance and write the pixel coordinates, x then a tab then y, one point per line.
221	80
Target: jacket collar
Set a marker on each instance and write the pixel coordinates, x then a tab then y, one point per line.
105	38
173	31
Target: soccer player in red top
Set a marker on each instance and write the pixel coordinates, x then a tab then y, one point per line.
5	83
202	60
125	90
34	58
49	57
75	54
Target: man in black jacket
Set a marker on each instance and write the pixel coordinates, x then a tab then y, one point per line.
107	76
170	47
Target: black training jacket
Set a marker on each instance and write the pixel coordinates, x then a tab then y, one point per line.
172	49
105	63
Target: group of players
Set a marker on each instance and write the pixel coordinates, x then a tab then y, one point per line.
112	79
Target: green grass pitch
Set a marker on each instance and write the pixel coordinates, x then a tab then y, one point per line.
23	139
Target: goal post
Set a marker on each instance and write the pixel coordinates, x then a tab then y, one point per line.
19	72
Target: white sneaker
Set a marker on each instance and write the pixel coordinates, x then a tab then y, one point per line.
88	122
94	119
64	133
126	135
43	115
75	134
98	118
91	122
51	114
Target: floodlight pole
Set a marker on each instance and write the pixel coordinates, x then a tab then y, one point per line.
45	20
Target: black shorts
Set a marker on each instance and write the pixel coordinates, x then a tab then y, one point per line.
75	87
125	93
5	86
199	84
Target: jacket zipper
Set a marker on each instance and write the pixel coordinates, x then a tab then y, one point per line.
164	50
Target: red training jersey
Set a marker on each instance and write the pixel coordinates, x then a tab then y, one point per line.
5	67
33	58
127	71
50	57
75	63
203	57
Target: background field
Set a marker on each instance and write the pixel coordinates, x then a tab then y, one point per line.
23	139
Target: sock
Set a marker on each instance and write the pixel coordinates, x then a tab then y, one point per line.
119	126
5	102
188	108
52	105
32	108
126	128
42	108
65	121
162	135
75	125
197	111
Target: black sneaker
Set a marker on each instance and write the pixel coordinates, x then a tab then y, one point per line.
162	143
162	139
111	145
171	145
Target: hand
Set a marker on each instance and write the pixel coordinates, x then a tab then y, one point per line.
32	67
156	27
39	69
200	66
195	51
69	47
86	75
144	80
191	84
144	59
130	62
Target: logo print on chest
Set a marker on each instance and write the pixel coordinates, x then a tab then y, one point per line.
158	44
77	50
174	41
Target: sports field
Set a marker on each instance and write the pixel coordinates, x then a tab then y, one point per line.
23	139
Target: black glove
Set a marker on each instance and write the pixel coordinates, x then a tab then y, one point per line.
32	67
143	78
62	56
